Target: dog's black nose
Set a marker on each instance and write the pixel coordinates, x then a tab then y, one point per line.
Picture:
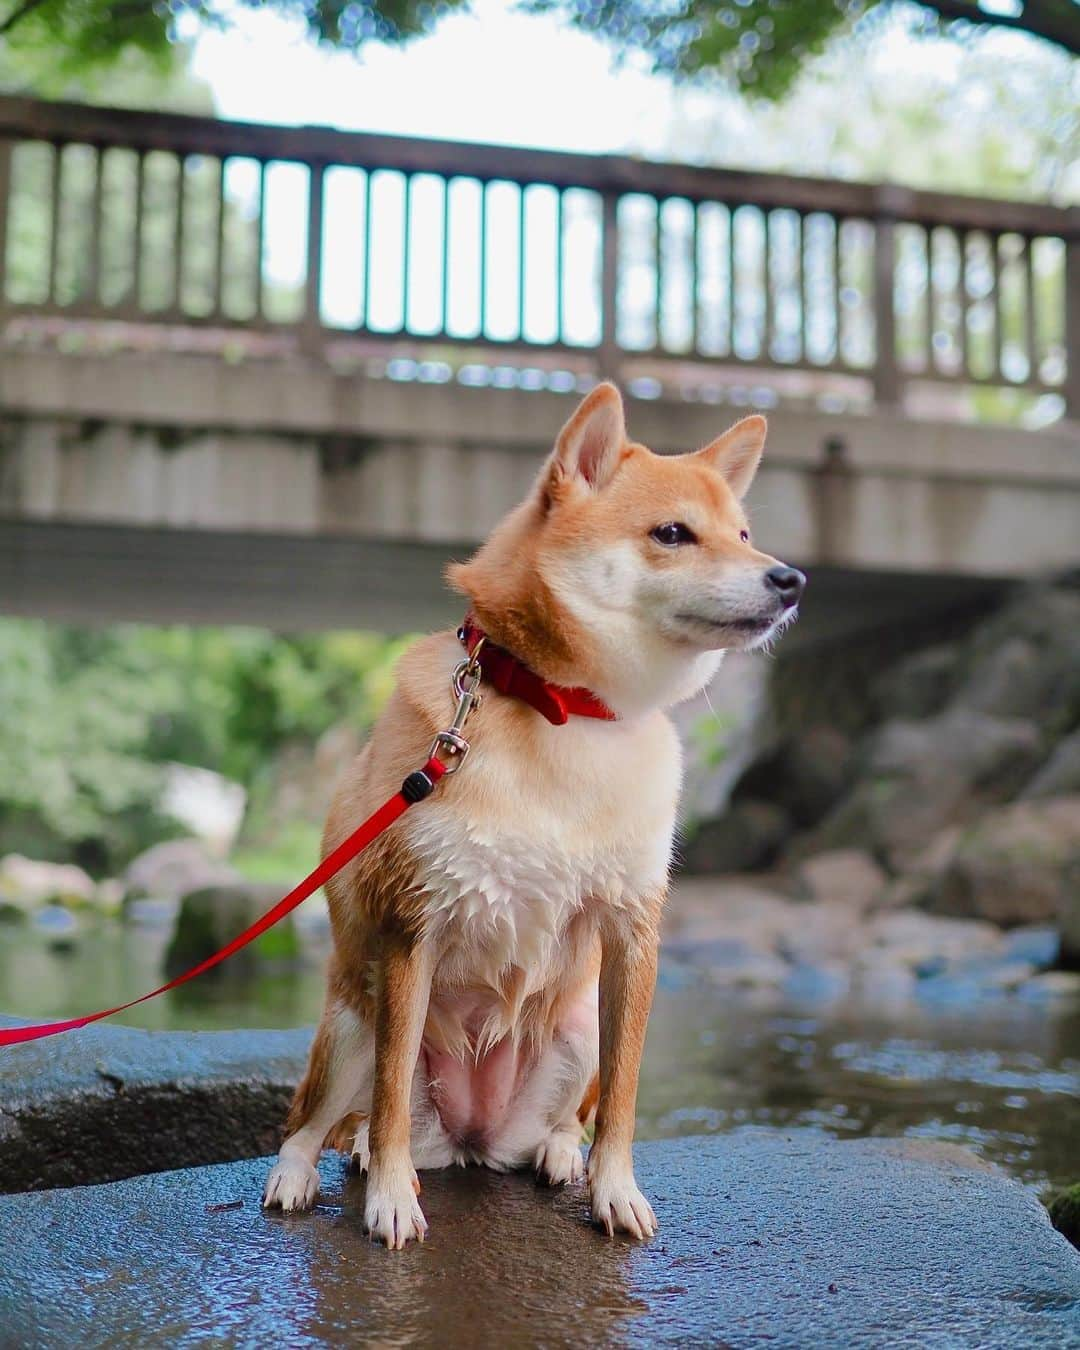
787	582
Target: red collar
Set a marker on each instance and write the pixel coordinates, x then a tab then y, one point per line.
510	676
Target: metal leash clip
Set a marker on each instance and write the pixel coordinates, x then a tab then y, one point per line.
465	684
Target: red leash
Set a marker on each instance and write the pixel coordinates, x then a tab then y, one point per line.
484	659
414	789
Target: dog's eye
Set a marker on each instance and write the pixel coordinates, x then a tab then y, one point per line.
744	535
673	533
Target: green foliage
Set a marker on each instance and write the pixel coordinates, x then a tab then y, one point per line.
760	44
73	778
92	716
290	853
710	736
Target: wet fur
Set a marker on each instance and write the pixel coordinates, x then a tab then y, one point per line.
495	951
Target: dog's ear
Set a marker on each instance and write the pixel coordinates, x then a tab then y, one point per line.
737	453
591	444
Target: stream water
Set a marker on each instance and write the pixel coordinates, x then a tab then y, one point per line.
1000	1076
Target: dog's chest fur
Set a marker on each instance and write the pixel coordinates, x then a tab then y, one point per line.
579	820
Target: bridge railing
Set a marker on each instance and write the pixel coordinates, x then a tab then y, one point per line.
160	218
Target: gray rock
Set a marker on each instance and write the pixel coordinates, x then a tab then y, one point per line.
211	917
1060	774
848	877
109	1102
1020	864
920	685
1053	984
806	776
962	746
1025	660
176	868
1038	943
795	1240
26	883
748	836
917	940
1012	680
922	776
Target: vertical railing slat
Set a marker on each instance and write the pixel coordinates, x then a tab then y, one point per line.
886	368
54	219
135	294
313	282
406	251
178	233
838	309
930	316
609	285
996	306
560	265
731	280
444	265
483	277
695	320
1031	324
91	288
766	283
658	264
444	274
962	301
521	263
216	306
369	215
1072	316
5	210
260	243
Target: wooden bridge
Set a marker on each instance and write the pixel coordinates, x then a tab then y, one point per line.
223	344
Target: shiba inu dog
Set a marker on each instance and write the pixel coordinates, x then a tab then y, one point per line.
495	952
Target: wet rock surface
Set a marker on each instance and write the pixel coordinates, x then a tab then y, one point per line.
109	1102
789	1240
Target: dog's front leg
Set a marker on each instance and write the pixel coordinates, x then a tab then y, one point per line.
629	943
391	1211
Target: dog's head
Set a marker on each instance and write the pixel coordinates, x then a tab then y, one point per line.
630	571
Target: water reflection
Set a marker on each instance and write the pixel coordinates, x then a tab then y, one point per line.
1002	1078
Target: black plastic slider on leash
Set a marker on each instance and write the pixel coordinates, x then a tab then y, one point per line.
417	786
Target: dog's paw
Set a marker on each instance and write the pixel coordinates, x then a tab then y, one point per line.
558	1159
360	1159
616	1204
392	1213
291	1186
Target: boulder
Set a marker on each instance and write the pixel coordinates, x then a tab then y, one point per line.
920	685
821	933
26	884
1025	660
924	775
210	917
703	912
806	775
108	1101
1064	1212
923	941
962	748
747	837
787	1239
1019	864
848	877
1060	774
176	868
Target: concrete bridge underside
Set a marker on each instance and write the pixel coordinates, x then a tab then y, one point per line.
181	488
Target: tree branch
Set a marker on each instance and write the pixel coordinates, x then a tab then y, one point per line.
1035	20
